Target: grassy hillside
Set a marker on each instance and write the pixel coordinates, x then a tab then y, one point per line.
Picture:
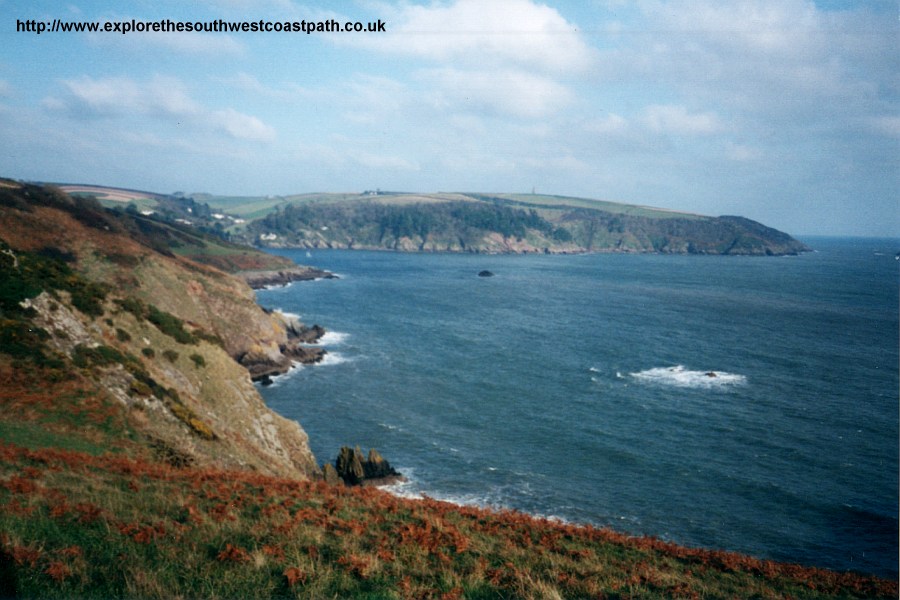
138	461
454	222
97	303
492	223
82	525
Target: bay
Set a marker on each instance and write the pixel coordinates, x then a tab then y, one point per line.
745	404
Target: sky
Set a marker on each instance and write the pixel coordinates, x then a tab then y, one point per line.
782	111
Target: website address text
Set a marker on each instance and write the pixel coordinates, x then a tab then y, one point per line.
214	26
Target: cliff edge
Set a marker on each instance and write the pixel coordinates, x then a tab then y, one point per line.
100	307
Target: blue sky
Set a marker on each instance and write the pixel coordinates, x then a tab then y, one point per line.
783	111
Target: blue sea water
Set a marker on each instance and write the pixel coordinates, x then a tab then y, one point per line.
745	404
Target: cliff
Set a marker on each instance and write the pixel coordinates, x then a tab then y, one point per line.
99	300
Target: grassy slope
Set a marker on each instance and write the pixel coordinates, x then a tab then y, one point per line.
81	525
545	201
251	207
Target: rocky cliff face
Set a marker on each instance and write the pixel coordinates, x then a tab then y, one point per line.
164	336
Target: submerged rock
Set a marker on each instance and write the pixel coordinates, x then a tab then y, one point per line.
485	274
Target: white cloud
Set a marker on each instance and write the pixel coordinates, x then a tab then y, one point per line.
194	44
771	27
122	95
676	120
241	126
886	125
505	92
158	97
743	153
504	32
611	124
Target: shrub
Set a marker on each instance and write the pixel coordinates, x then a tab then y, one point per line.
148	352
23	340
133	306
122	335
199	361
140	388
170	325
101	356
24	275
170	355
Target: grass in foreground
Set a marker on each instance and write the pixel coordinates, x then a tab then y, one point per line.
79	525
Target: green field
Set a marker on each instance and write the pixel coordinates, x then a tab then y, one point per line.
255	207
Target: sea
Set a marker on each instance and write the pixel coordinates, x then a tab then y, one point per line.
747	404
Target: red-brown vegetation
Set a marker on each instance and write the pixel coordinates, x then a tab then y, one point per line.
421	548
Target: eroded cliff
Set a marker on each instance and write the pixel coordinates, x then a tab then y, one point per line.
92	298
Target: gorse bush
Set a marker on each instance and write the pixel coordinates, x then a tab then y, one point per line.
167	323
24	275
170	325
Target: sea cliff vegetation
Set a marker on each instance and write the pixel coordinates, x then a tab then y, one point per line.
504	223
137	460
454	222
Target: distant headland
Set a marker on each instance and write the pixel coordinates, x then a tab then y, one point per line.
454	222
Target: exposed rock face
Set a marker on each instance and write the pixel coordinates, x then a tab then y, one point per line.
307	335
264	363
189	395
353	468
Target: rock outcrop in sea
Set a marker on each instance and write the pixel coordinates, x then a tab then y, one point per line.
354	468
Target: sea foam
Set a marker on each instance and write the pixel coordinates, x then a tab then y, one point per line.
679	376
333	358
332	338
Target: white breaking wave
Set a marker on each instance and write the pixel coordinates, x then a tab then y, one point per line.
678	376
332	338
333	358
277	380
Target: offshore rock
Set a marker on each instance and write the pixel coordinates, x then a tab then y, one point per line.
353	468
349	465
485	274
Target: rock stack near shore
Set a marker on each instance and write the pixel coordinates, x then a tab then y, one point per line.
353	468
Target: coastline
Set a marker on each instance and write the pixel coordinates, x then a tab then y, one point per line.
524	249
258	280
537	514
